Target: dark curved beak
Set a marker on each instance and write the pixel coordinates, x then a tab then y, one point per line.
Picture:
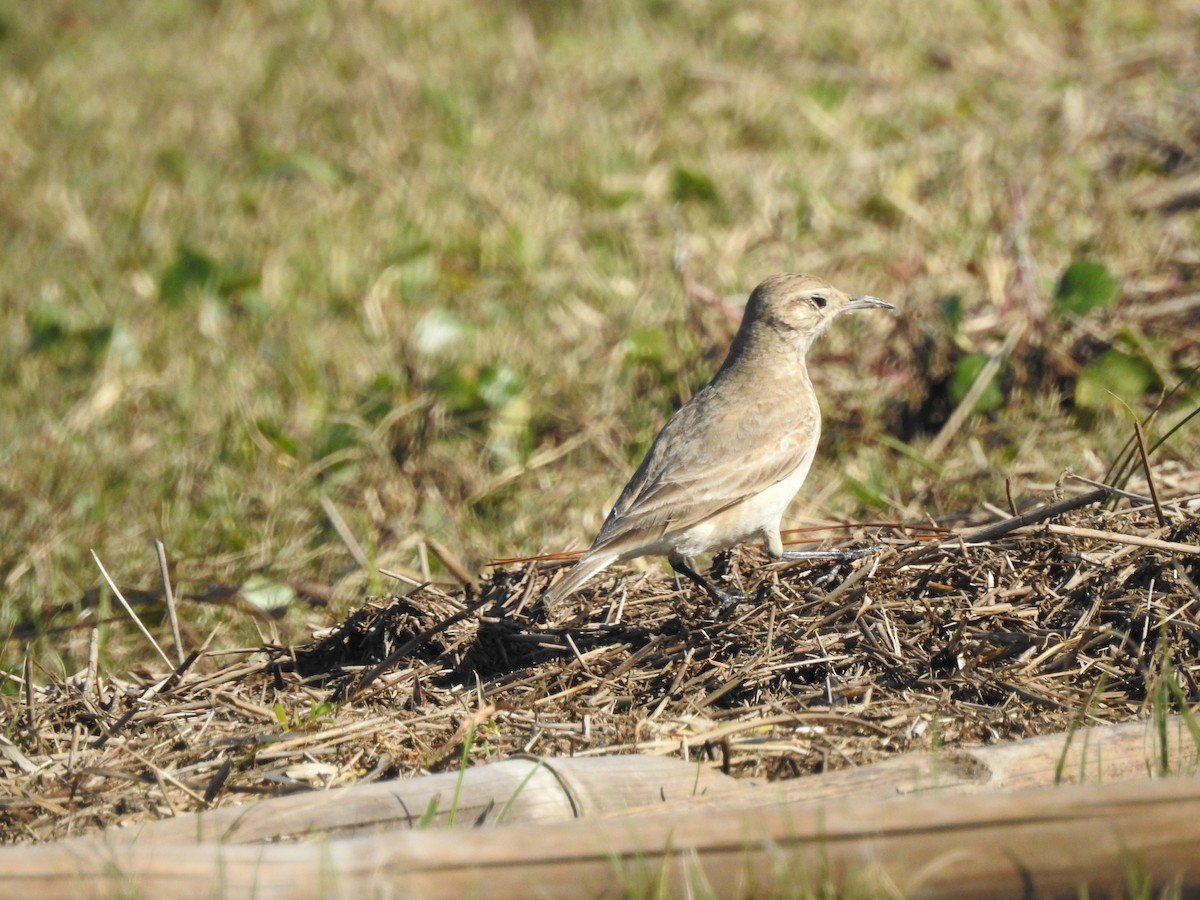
866	302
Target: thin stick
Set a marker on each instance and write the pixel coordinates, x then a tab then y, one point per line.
447	558
93	665
132	614
575	650
343	531
1128	495
161	552
1141	443
29	696
1117	538
410	580
990	532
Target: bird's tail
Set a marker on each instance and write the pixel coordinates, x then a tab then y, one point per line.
589	564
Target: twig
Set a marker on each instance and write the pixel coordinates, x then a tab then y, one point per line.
453	564
575	650
161	552
343	531
129	609
987	533
851	580
1118	538
1115	491
409	578
30	706
161	776
93	664
1141	443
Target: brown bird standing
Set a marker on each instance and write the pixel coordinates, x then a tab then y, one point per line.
727	464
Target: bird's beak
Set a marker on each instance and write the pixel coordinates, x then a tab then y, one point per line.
867	303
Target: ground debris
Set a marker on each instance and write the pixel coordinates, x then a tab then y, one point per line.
936	641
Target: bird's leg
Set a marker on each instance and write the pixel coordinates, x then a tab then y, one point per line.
720	597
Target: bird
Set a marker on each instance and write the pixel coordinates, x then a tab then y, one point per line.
727	464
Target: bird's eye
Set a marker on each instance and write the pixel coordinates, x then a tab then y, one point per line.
819	300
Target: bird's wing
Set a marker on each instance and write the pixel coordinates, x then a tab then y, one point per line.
701	464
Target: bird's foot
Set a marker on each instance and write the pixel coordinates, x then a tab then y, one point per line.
723	600
724	603
828	578
839	554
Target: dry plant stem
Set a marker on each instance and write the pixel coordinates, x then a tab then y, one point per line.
172	617
1118	538
30	704
129	609
453	564
1032	614
343	531
1116	492
409	578
987	533
1141	443
93	667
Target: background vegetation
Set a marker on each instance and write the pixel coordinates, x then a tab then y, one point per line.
417	266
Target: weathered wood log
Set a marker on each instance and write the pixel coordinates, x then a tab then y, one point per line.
1048	842
512	791
532	790
1131	751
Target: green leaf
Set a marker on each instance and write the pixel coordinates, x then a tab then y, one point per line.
190	269
1112	377
646	345
499	385
283	164
47	329
827	93
319	709
950	308
457	384
336	437
278	438
1084	286
864	492
272	597
689	184
966	370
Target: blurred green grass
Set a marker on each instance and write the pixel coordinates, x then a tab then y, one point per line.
419	260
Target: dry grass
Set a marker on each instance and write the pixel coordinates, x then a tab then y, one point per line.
298	288
942	641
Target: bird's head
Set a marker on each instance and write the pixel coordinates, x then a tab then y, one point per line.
801	306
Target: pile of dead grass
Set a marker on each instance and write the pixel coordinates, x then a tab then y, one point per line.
945	638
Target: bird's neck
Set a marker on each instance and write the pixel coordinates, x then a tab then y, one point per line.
778	348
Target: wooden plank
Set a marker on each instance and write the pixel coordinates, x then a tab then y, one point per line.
1047	842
